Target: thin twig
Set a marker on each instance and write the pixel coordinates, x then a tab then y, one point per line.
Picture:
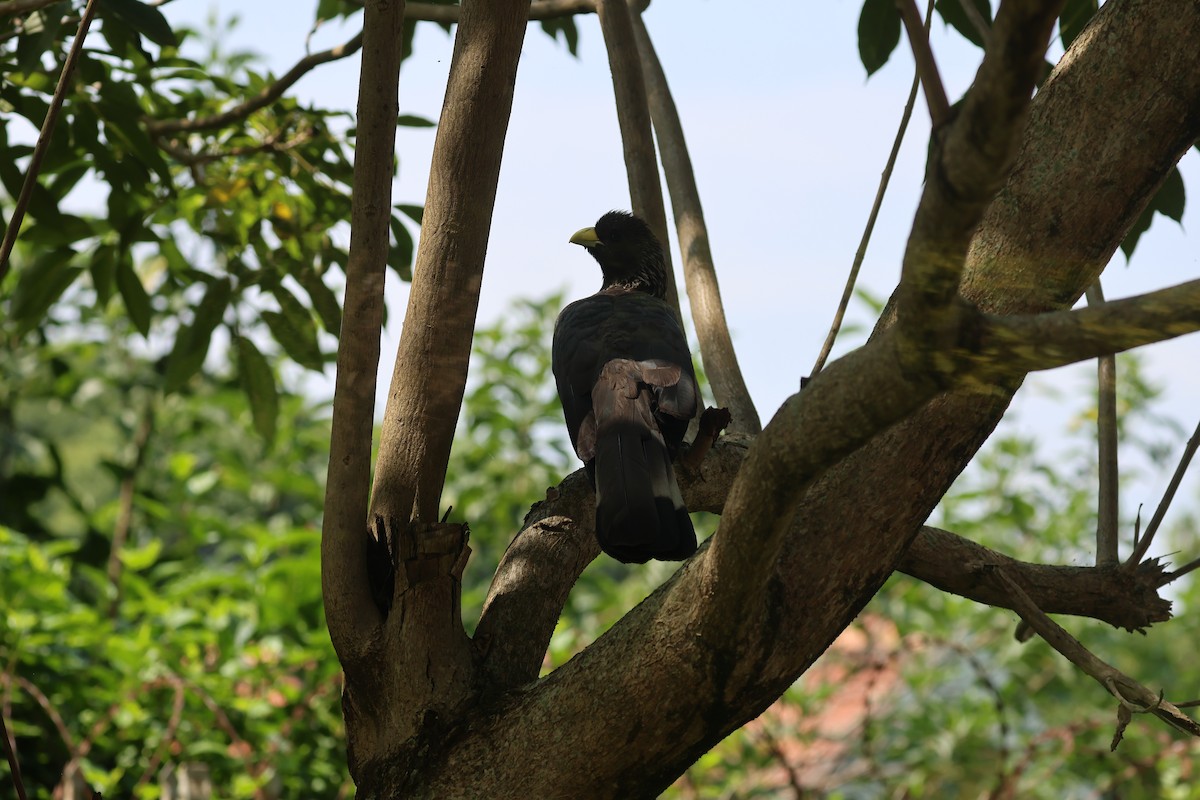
1191	566
1185	460
14	766
861	253
935	92
160	127
1106	431
1131	695
43	141
141	438
700	275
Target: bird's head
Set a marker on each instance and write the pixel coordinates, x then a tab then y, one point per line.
628	252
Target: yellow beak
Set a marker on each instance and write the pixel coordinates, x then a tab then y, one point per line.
586	237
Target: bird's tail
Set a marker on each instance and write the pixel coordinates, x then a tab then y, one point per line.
640	513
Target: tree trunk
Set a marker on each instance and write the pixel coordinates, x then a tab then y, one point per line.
689	665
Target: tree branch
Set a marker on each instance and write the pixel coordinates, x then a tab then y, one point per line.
538	10
969	163
43	140
704	293
1018	344
351	613
1185	459
1124	598
927	71
435	343
884	179
1106	434
1131	694
633	116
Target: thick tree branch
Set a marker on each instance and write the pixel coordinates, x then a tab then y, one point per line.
538	10
968	165
1122	597
1018	344
435	343
633	116
704	293
350	610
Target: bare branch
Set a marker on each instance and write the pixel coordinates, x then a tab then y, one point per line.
927	71
1129	693
269	94
704	293
141	438
538	10
1175	575
884	179
351	613
1185	460
1017	344
633	116
1123	597
430	371
43	140
1106	425
969	163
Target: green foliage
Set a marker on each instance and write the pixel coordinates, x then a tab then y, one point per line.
189	223
201	637
878	33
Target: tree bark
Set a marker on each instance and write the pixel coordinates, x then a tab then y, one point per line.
686	667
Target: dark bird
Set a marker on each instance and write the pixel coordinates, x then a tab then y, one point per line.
628	391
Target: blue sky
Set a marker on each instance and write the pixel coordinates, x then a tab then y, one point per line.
788	138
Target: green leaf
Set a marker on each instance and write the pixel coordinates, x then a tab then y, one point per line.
258	382
878	33
1169	202
324	301
400	253
146	20
139	558
566	26
191	343
40	285
1074	18
415	213
295	330
133	294
1170	199
952	13
414	121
